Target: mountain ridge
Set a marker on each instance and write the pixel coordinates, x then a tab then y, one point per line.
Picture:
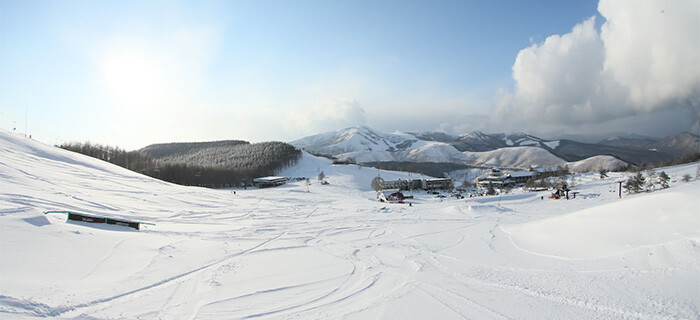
364	144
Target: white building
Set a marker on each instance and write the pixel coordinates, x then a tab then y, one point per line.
266	182
415	184
499	179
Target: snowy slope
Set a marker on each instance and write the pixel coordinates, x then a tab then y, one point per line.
476	141
596	164
332	251
362	144
526	157
666	222
355	139
516	157
428	152
352	176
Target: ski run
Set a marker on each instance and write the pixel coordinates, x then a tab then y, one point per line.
332	251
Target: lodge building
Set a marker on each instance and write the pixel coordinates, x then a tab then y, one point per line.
266	182
417	184
499	179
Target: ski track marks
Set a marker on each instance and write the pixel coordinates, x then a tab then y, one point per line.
332	252
43	310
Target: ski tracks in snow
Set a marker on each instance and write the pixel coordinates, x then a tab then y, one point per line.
42	310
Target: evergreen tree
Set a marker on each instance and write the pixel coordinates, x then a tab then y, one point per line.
651	179
663	180
635	184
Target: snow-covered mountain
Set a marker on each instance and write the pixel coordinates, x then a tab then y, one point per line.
517	150
516	157
597	164
676	145
680	144
357	139
479	141
635	151
363	144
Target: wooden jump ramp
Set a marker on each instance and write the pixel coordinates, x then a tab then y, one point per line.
82	217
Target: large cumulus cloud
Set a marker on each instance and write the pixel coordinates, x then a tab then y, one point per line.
644	61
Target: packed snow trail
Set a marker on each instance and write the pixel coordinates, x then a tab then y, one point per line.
335	252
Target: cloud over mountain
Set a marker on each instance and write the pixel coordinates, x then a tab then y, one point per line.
641	64
325	115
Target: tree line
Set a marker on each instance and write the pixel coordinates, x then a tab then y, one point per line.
548	179
221	165
257	159
638	183
687	158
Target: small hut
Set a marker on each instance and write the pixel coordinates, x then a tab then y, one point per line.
562	191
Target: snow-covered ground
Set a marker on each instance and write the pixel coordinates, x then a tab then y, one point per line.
334	252
520	157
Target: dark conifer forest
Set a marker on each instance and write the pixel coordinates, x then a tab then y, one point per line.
217	164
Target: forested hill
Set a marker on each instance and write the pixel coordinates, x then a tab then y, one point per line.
262	158
217	164
164	150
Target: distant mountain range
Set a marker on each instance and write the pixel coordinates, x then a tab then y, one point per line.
517	150
676	145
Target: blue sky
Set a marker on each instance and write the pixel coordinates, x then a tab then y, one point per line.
131	73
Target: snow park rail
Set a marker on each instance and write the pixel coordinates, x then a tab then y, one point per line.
98	219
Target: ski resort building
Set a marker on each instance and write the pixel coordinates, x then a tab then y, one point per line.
499	179
266	182
401	184
417	184
437	184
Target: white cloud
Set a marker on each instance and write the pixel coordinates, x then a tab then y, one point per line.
643	61
653	49
325	115
468	123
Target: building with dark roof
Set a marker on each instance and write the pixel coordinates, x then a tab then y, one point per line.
266	182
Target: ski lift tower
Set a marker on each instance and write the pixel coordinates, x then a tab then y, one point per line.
619	192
